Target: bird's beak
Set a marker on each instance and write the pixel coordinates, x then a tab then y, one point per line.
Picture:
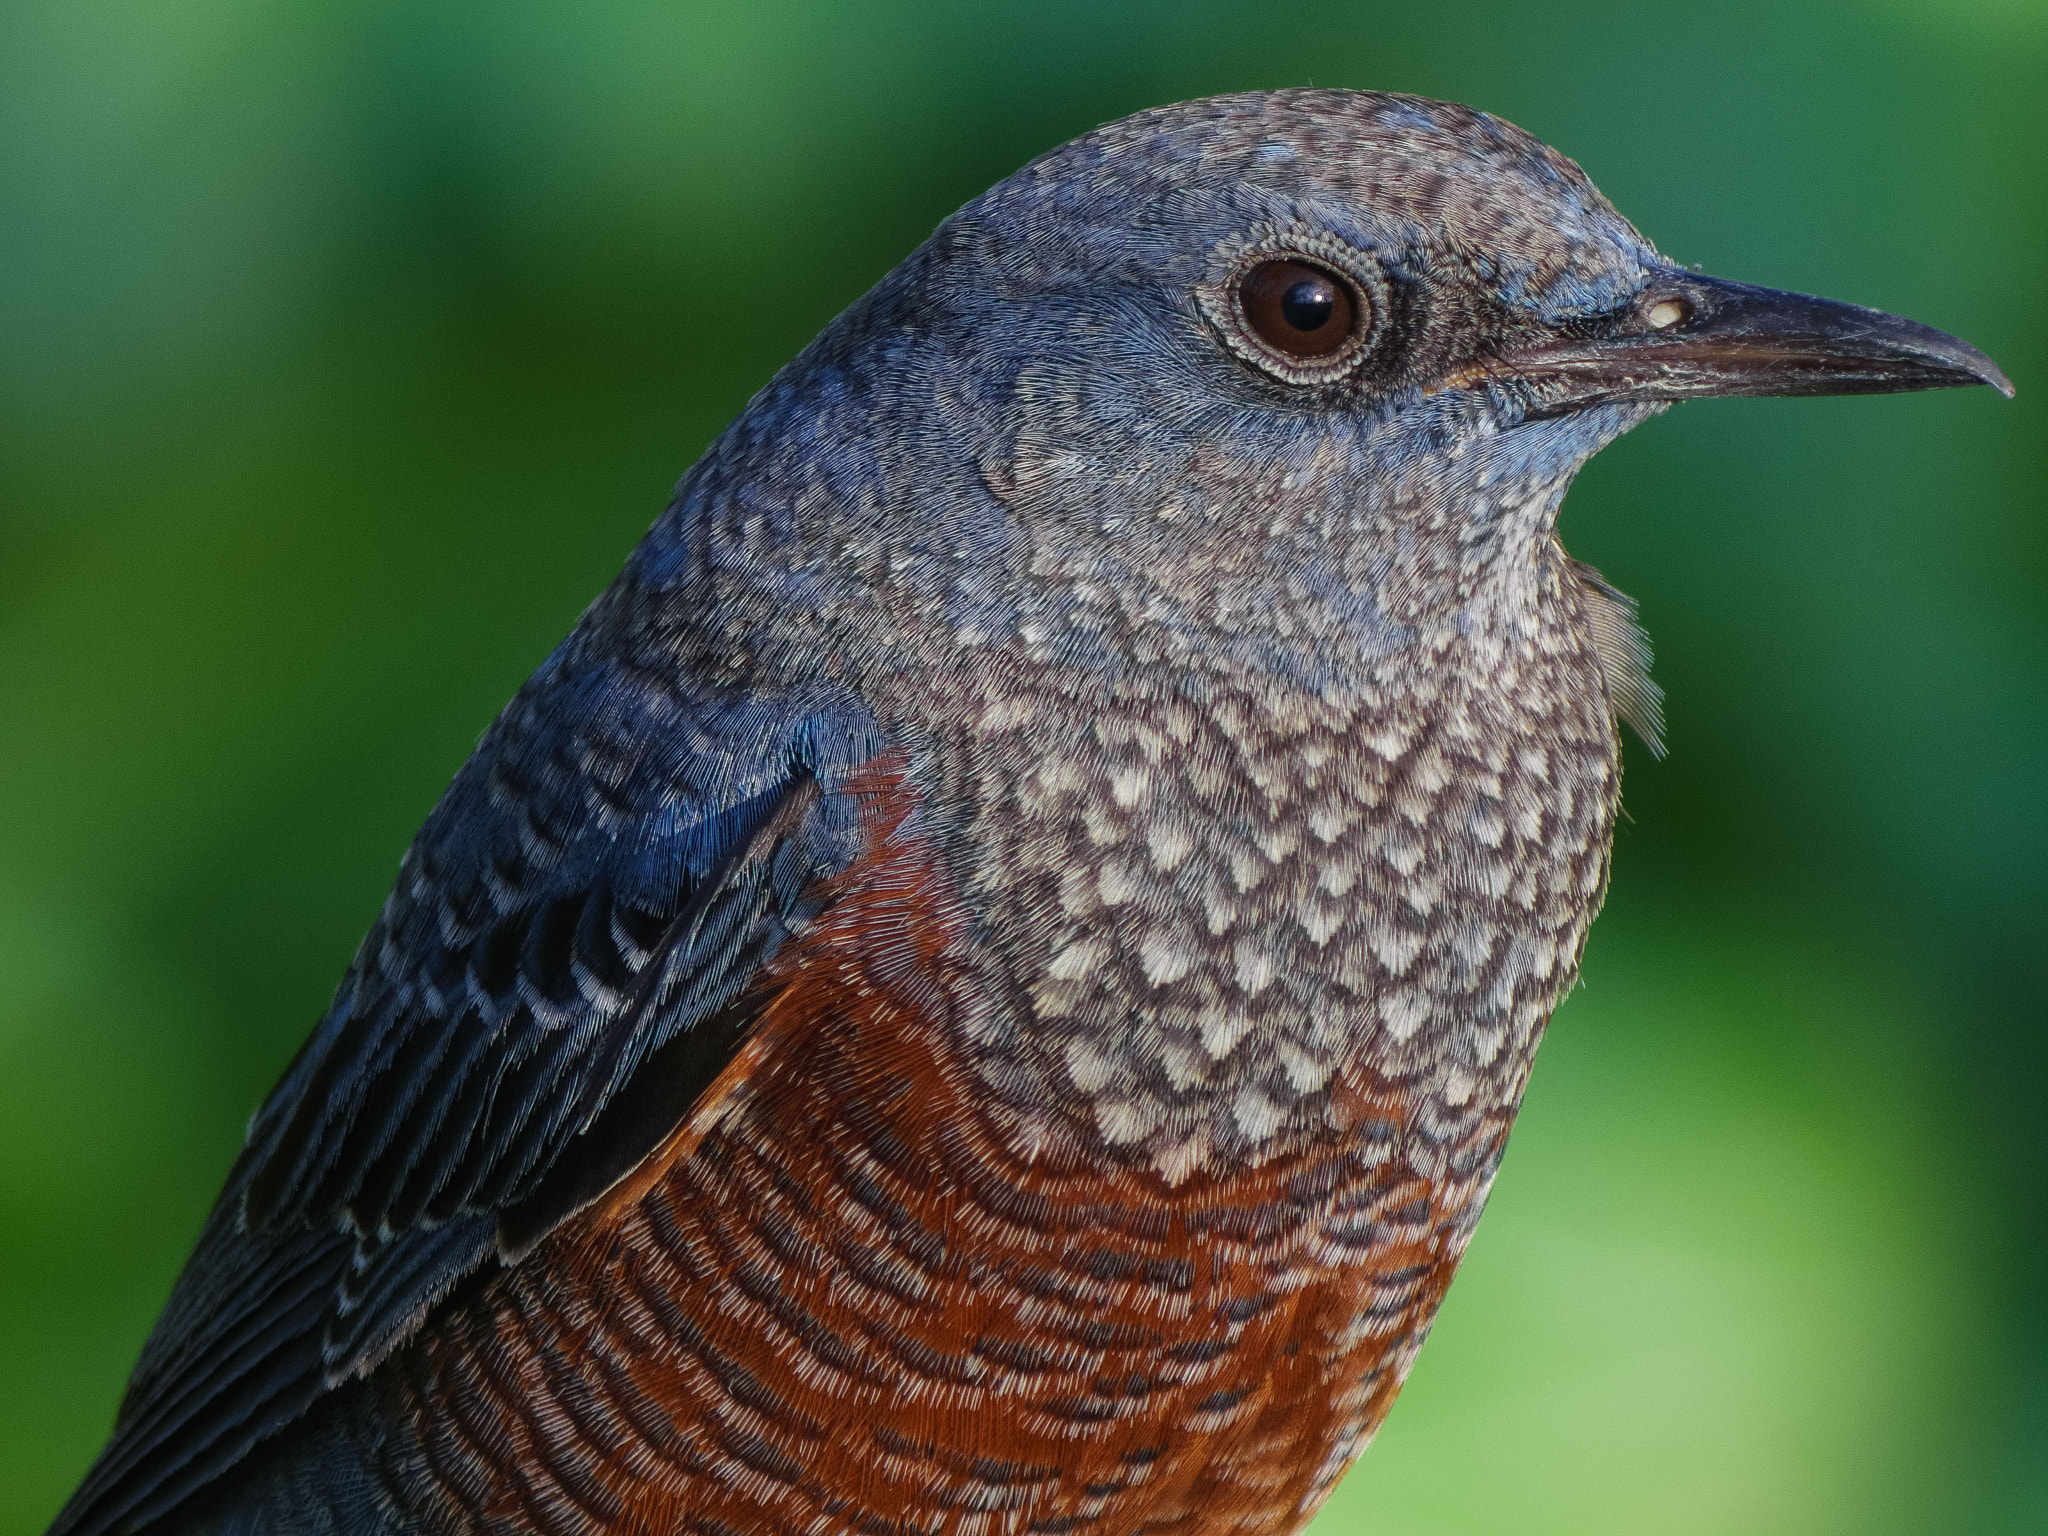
1688	336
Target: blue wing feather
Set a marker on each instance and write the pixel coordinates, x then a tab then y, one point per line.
606	876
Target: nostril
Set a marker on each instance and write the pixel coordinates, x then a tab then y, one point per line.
1666	313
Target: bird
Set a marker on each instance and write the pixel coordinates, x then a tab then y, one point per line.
984	986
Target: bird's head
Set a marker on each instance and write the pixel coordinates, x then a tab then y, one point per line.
1169	499
1343	343
1294	379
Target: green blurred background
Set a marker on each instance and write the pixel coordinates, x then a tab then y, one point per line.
346	346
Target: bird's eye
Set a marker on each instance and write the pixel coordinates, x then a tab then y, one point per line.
1297	309
1298	305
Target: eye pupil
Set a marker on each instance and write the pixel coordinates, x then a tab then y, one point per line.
1301	311
1307	304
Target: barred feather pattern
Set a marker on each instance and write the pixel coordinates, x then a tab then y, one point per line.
854	1306
900	1272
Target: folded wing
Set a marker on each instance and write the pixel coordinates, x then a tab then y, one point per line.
573	951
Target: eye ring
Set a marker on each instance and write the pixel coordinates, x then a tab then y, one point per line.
1297	305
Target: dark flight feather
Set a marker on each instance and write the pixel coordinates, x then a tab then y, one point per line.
562	969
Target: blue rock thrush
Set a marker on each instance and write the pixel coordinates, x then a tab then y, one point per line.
983	987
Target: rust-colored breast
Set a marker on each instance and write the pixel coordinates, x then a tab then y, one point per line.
845	1303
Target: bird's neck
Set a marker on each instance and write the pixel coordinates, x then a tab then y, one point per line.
1227	902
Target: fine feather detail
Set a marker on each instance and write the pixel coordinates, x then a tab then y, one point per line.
1624	650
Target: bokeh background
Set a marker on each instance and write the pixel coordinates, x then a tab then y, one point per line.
346	347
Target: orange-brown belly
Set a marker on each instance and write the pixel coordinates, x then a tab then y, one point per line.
850	1308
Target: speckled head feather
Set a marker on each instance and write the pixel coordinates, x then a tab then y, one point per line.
983	987
1073	322
1420	180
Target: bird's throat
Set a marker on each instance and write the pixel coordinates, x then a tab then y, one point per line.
1226	905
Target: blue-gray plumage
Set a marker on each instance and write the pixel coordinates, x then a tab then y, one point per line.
984	985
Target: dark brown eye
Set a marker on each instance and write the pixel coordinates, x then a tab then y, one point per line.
1297	309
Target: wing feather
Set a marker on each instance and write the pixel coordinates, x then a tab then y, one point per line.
594	898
